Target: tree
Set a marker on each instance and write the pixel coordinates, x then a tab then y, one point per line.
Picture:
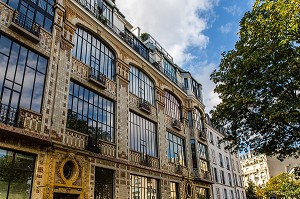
251	191
283	186
259	82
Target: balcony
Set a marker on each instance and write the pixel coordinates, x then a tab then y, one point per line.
200	175
176	124
143	159
179	170
28	123
97	77
25	26
145	105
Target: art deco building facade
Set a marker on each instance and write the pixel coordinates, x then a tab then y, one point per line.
260	168
225	167
88	110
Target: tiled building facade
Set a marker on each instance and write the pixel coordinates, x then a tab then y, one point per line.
88	110
225	167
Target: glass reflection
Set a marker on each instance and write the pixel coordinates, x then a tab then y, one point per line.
90	113
16	174
22	79
93	52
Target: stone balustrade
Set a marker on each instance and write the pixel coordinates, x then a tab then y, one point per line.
137	158
75	139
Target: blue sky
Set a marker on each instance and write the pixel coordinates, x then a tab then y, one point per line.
194	32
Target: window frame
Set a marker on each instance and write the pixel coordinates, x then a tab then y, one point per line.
176	145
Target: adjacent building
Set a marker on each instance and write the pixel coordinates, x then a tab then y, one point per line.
225	166
260	168
90	110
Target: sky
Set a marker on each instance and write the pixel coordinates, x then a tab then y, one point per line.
194	32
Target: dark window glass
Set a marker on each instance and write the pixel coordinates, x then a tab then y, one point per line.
103	183
174	190
216	174
142	134
186	83
175	149
190	119
93	52
22	78
170	71
172	106
227	163
37	10
221	160
225	194
90	113
16	174
143	187
141	85
197	89
194	156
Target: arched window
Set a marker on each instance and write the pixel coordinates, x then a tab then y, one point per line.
172	106
141	85
93	52
199	120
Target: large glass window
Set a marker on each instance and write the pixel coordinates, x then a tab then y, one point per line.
22	78
174	189
141	85
172	106
93	52
175	149
90	113
103	183
170	71
16	174
143	187
40	11
203	155
142	134
199	121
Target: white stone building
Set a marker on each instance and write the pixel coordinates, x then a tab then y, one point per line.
260	168
225	167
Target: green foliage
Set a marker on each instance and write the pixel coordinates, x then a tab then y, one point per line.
283	186
251	191
144	36
259	81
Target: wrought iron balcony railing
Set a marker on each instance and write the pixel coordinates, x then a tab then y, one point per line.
26	23
145	105
97	76
176	124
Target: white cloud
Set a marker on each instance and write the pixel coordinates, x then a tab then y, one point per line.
234	10
175	24
201	72
226	28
